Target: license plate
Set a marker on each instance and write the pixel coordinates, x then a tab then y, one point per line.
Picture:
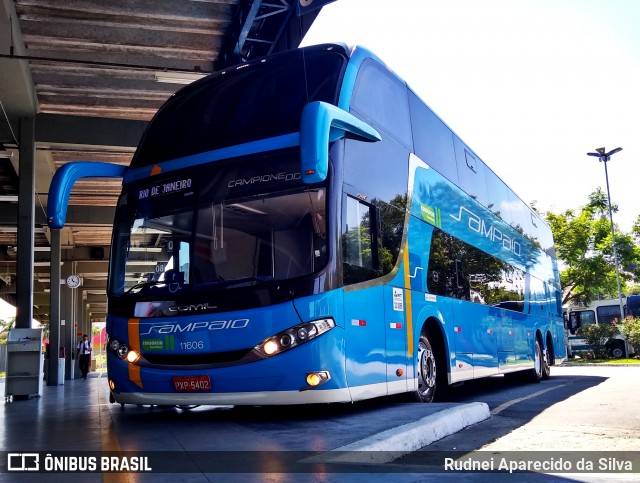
191	383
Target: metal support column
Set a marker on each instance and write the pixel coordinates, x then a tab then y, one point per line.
26	216
67	311
54	324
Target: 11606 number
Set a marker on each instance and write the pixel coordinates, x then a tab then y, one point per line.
192	345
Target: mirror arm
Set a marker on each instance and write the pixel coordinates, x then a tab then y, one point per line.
321	124
64	179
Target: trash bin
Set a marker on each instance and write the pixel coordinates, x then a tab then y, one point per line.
61	365
25	364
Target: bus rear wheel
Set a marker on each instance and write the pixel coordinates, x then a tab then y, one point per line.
427	372
538	364
546	364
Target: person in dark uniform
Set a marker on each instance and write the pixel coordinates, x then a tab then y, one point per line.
84	355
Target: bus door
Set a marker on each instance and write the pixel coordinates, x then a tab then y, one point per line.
466	320
396	326
476	324
365	342
364	300
505	339
577	319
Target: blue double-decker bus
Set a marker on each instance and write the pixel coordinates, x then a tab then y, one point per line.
304	229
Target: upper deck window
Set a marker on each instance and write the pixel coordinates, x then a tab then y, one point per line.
381	98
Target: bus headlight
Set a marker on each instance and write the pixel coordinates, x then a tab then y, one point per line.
293	337
132	356
269	347
123	351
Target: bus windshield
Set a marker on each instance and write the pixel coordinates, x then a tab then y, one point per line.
246	103
174	245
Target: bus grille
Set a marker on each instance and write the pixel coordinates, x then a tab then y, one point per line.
215	359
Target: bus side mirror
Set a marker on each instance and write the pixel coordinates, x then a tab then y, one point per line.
64	179
321	124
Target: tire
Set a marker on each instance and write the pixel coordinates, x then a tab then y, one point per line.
616	350
546	364
431	382
535	374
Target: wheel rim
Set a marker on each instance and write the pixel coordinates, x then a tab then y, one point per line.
427	375
538	359
546	363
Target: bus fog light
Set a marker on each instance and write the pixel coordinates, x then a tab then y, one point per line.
132	356
112	385
314	379
114	344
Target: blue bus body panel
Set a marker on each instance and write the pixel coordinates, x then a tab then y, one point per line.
193	335
253	381
254	147
440	203
485	340
365	336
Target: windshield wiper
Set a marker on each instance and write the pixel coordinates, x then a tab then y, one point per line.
239	281
147	284
262	279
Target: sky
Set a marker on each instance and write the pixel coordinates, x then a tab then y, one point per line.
6	311
530	85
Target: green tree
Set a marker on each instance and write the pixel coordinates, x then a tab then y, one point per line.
584	247
5	327
631	330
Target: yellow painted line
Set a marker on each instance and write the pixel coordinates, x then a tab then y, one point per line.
407	297
134	343
508	404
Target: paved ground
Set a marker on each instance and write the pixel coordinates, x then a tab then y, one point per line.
77	418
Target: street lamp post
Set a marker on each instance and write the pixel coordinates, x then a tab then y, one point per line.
604	157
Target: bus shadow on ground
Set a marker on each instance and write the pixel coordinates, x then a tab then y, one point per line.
512	404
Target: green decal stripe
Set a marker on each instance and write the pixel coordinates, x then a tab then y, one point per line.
169	342
431	215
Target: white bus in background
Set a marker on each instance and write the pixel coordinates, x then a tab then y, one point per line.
598	312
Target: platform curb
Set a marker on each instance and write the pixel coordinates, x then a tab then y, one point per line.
396	442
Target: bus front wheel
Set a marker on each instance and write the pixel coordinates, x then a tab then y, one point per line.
427	372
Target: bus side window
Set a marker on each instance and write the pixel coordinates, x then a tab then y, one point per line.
381	98
461	290
359	252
